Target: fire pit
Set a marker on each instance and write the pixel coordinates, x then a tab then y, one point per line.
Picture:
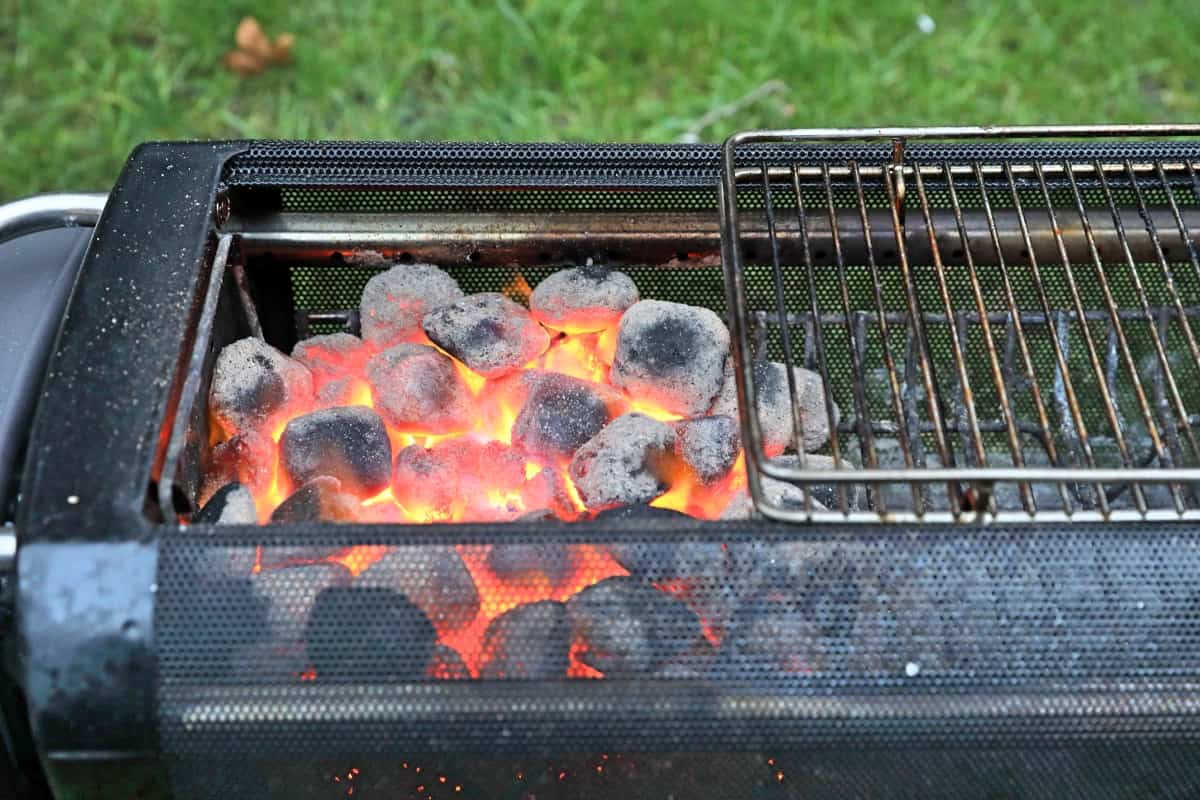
435	471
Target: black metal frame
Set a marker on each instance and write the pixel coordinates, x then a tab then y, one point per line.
94	547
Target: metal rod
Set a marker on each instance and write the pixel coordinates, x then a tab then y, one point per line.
48	211
662	237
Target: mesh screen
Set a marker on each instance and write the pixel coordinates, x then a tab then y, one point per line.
343	650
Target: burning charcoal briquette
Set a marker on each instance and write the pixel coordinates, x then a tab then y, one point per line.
446	665
671	354
350	444
424	479
368	633
319	500
628	627
248	459
827	493
583	299
775	406
530	641
290	593
332	355
547	561
434	577
708	446
254	386
394	302
418	390
488	332
231	505
560	413
630	461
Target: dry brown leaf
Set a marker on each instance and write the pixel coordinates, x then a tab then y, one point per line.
254	51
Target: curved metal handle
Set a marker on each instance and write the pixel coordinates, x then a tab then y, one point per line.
47	211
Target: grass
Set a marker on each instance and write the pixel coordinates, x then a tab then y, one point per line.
82	83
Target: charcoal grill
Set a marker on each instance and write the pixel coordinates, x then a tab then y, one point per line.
1005	321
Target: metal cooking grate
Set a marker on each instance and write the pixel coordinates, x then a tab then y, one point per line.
1003	338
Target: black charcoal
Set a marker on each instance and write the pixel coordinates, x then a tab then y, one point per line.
368	633
708	446
231	505
350	444
671	354
446	665
488	332
394	302
418	390
638	511
290	592
208	611
433	577
530	641
583	299
545	561
319	500
629	628
560	413
774	406
255	386
628	462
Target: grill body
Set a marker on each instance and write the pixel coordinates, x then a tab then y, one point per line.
1045	657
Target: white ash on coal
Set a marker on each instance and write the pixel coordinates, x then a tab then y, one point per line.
433	577
248	459
559	415
708	446
368	633
331	355
583	299
254	386
350	444
488	332
319	500
521	563
531	641
417	389
629	461
291	592
232	504
462	478
394	302
628	627
672	354
774	406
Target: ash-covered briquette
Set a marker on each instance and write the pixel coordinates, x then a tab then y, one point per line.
446	665
394	302
344	391
232	504
630	461
826	493
451	480
583	299
672	354
254	385
248	459
661	559
544	561
547	492
629	628
424	479
488	332
368	633
350	444
319	500
434	577
776	493
774	404
290	593
708	446
331	355
559	414
418	390
530	641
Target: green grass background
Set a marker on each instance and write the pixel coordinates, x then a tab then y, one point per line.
81	83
